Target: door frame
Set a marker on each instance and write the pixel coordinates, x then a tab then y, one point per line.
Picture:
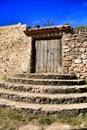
33	52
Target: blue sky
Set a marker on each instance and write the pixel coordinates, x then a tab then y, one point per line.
33	12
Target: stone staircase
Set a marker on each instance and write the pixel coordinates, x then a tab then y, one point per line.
44	93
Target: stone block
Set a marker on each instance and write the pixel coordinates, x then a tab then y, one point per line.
77	61
14	49
85	61
83	56
66	50
66	63
82	49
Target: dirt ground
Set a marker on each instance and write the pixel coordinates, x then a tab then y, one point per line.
54	126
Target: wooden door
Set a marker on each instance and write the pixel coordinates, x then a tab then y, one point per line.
48	56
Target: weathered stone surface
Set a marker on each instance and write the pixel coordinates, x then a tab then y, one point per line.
14	49
67	63
77	61
46	109
83	56
78	54
47	82
85	61
44	98
43	89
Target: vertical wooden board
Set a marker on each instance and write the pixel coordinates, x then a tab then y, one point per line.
48	55
41	54
57	62
51	55
46	47
55	55
44	56
36	47
58	56
50	59
38	56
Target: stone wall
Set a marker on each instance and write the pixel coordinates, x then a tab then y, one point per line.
14	49
74	48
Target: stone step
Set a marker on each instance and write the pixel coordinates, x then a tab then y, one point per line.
72	109
45	81
47	76
44	89
38	98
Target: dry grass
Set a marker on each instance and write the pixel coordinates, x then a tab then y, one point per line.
15	120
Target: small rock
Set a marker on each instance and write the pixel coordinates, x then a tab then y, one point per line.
77	61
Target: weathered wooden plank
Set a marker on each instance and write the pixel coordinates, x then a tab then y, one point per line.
44	56
40	57
58	56
52	57
41	54
48	56
55	55
49	59
36	47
